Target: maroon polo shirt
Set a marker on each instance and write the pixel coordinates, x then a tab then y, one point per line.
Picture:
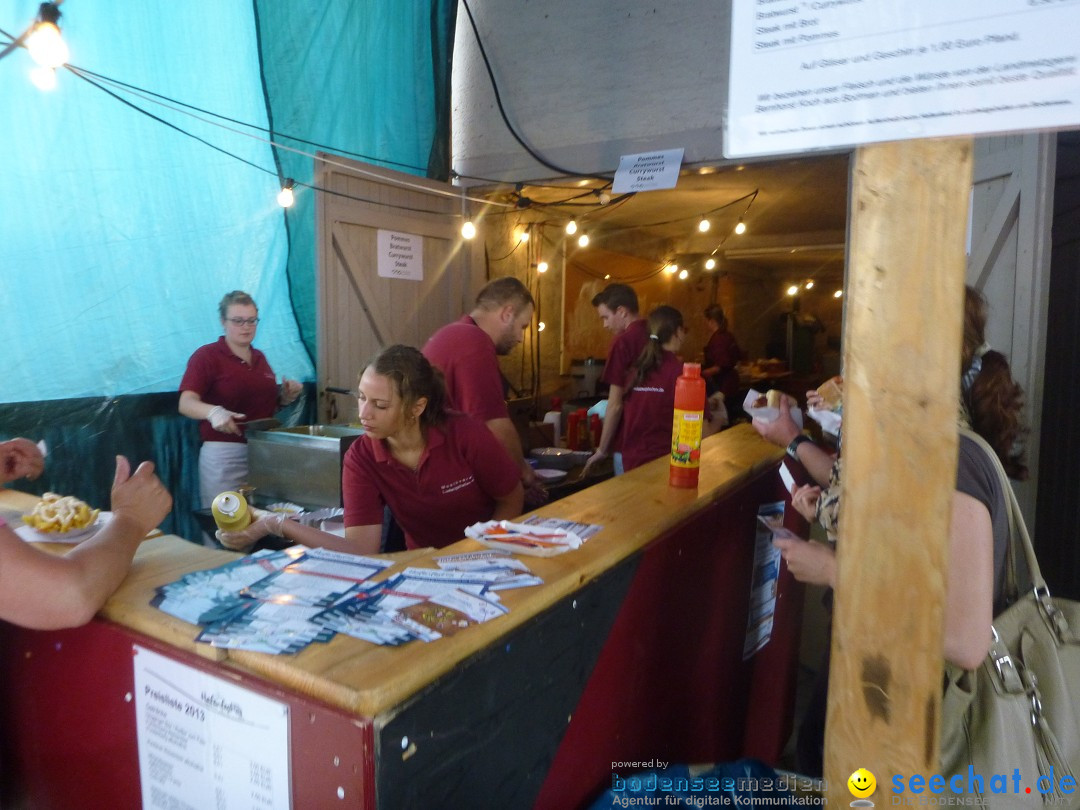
461	472
219	377
465	354
620	361
648	411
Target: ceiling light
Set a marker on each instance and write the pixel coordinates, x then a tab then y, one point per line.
468	230
44	43
684	274
809	285
838	294
523	234
602	196
793	289
540	327
671	268
607	276
710	263
541	267
740	229
285	197
583	240
703	226
571	227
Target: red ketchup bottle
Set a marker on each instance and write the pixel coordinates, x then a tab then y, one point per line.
573	431
686	427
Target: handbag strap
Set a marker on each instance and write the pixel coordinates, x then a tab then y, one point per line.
1019	538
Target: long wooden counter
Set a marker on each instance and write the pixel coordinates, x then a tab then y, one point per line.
637	510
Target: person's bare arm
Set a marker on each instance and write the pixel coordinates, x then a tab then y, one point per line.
612	417
510	505
222	419
969	583
45	591
817	461
357	539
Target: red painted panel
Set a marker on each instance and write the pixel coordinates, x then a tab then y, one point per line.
68	713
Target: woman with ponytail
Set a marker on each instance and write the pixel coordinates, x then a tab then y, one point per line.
649	404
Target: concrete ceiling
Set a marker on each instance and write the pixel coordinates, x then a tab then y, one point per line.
795	212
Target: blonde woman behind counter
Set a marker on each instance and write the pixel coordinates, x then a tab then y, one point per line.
227	383
438	470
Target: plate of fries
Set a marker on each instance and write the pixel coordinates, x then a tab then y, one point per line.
63	519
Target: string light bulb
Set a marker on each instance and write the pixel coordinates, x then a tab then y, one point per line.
740	228
793	289
684	274
809	285
571	227
523	234
704	225
540	327
44	43
710	263
671	269
541	267
603	197
583	240
468	230
285	197
838	294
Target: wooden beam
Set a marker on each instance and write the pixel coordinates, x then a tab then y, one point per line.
902	368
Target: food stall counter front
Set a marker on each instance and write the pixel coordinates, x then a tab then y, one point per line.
631	650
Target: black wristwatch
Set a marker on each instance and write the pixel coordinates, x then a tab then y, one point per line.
793	448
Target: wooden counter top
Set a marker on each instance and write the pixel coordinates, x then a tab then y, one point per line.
370	680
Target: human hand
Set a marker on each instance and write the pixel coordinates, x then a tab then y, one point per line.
808	561
140	498
814	400
265	523
805	498
290	390
20	458
594	459
781	430
224	421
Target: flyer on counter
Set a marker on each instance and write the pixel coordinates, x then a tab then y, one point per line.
766	575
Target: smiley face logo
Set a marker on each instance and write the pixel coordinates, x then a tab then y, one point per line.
862	784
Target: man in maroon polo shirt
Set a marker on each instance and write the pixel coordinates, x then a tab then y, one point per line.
467	353
617	306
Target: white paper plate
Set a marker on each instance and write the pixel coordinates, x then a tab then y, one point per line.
550	476
32	535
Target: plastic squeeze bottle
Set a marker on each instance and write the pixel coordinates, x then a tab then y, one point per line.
554	418
686	427
230	510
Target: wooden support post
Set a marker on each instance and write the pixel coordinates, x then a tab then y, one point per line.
909	207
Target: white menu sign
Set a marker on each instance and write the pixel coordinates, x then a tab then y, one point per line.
401	255
647	171
205	742
830	73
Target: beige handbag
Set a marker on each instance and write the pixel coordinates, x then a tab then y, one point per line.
1020	710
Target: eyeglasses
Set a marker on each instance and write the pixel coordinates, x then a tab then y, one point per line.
243	321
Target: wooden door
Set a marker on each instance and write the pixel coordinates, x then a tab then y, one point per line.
1009	260
359	312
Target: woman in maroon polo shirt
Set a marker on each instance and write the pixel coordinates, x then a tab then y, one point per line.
438	470
227	383
649	404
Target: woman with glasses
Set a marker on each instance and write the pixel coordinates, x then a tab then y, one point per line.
228	383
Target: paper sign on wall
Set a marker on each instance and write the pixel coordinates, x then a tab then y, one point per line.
207	742
401	255
832	73
648	171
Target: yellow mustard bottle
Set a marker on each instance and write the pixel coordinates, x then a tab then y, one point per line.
230	510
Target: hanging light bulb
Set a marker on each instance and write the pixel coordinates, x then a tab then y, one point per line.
710	263
523	234
684	274
671	268
541	267
809	285
540	327
607	276
740	228
704	225
44	43
468	230
43	78
793	289
571	227
603	197
583	240
838	294
285	197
